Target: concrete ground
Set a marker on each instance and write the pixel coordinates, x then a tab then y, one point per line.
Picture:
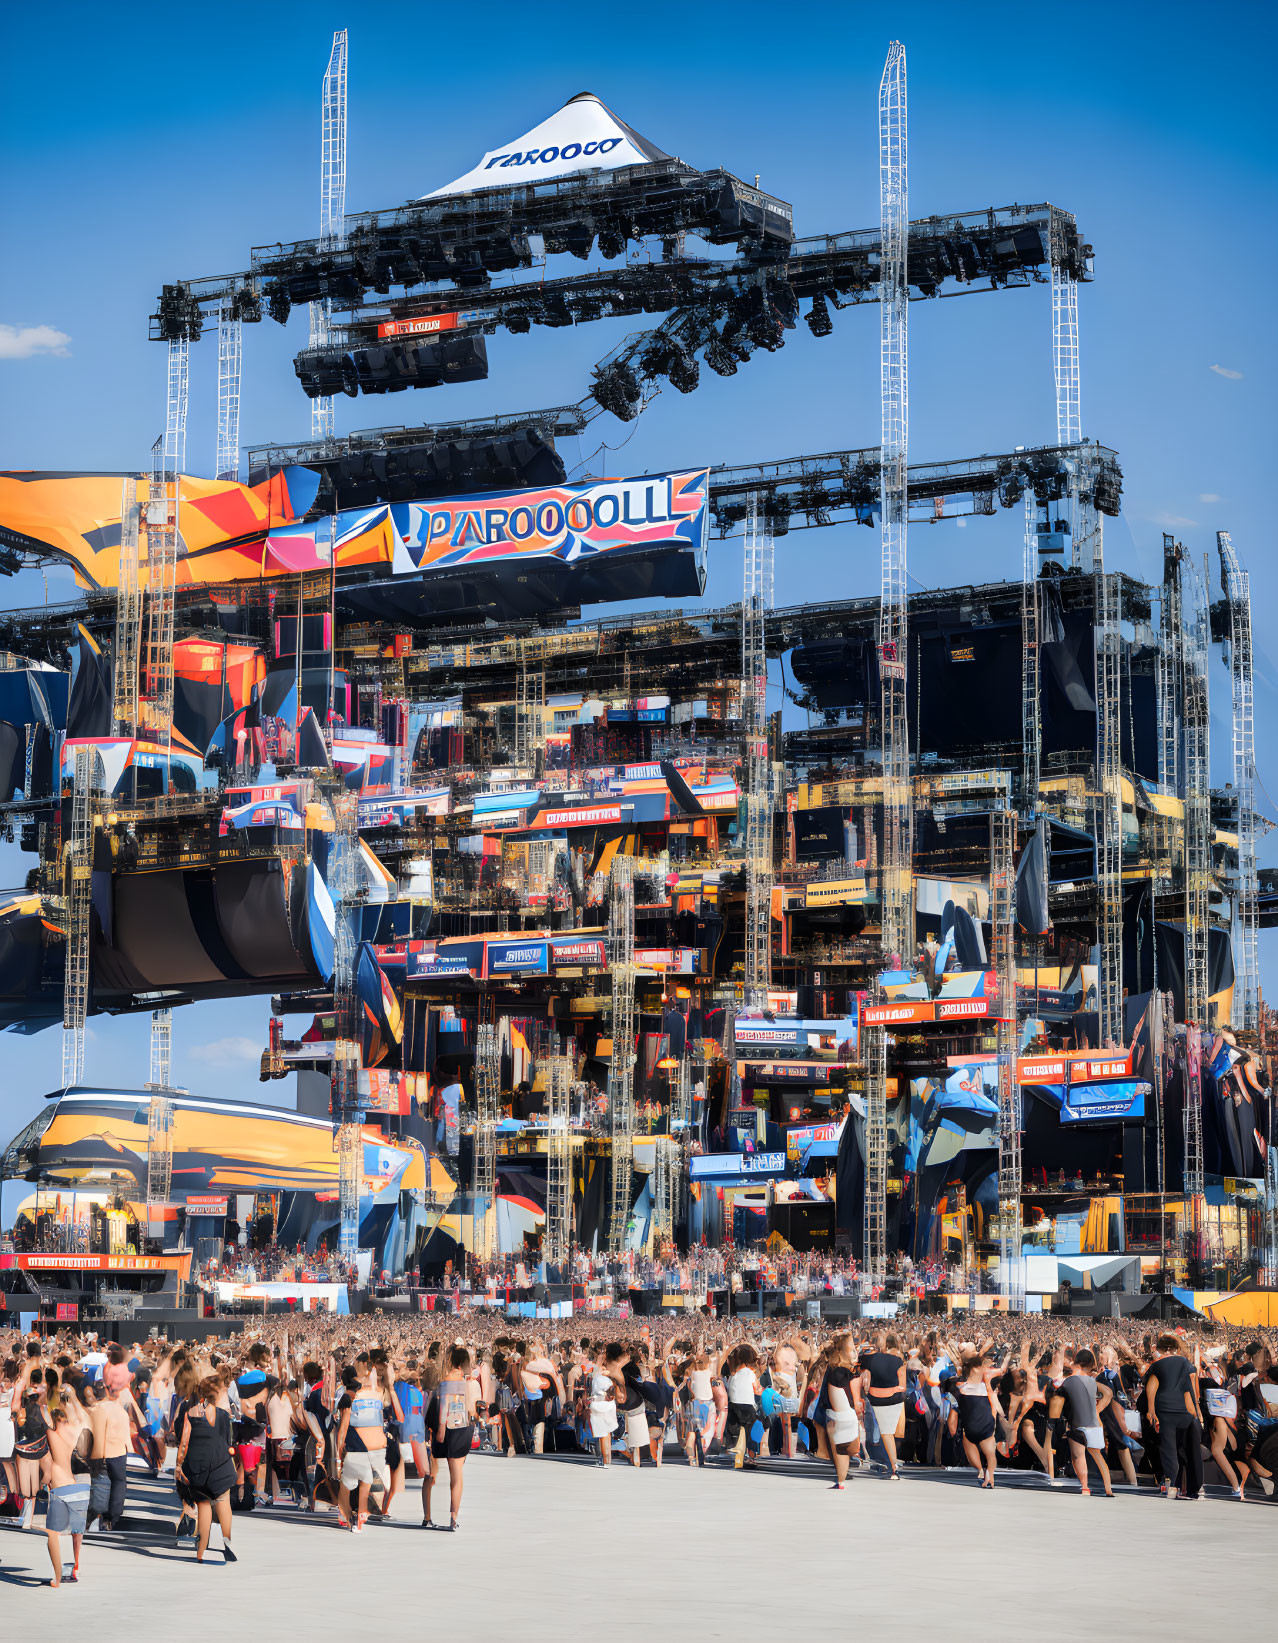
556	1548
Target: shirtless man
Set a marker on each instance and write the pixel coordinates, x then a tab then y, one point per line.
68	1495
112	1441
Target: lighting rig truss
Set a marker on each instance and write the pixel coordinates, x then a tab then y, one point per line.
723	310
466	238
806	491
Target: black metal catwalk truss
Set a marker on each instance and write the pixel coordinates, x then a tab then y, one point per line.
721	309
465	238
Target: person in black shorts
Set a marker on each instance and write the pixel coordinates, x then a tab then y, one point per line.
450	1423
973	1416
1082	1400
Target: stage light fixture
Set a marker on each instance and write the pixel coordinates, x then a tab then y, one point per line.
246	305
683	370
554	311
654	361
279	304
720	359
616	388
818	316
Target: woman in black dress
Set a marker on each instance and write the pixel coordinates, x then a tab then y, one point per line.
205	1464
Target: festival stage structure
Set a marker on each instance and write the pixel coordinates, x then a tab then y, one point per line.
945	948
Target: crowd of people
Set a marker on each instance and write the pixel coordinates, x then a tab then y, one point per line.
328	1414
701	1270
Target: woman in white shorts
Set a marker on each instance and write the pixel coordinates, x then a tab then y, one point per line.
604	1381
840	1398
361	1442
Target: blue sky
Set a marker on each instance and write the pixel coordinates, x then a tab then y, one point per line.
1151	123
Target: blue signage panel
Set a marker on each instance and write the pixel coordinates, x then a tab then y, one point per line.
508	958
1121	1100
736	1166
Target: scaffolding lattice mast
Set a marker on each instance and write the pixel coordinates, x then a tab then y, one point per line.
1236	585
230	355
161	1049
346	1105
168	457
128	616
530	706
1171	674
621	1103
332	208
78	869
159	1154
558	1161
1108	802
874	1265
1269	1271
1162	1044
756	598
1031	719
1197	799
662	1190
487	1114
896	899
1065	370
1003	924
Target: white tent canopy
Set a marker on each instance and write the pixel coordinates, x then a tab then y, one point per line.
584	135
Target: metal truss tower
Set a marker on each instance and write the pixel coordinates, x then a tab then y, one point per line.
1236	585
161	1049
346	1105
1171	674
1069	415
1031	719
78	870
663	1189
1269	1272
128	616
159	1144
621	1100
1162	1042
896	900
159	1155
559	1161
1003	925
1197	799
230	355
756	600
1107	658
530	705
681	1108
874	1263
487	1116
332	208
168	458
